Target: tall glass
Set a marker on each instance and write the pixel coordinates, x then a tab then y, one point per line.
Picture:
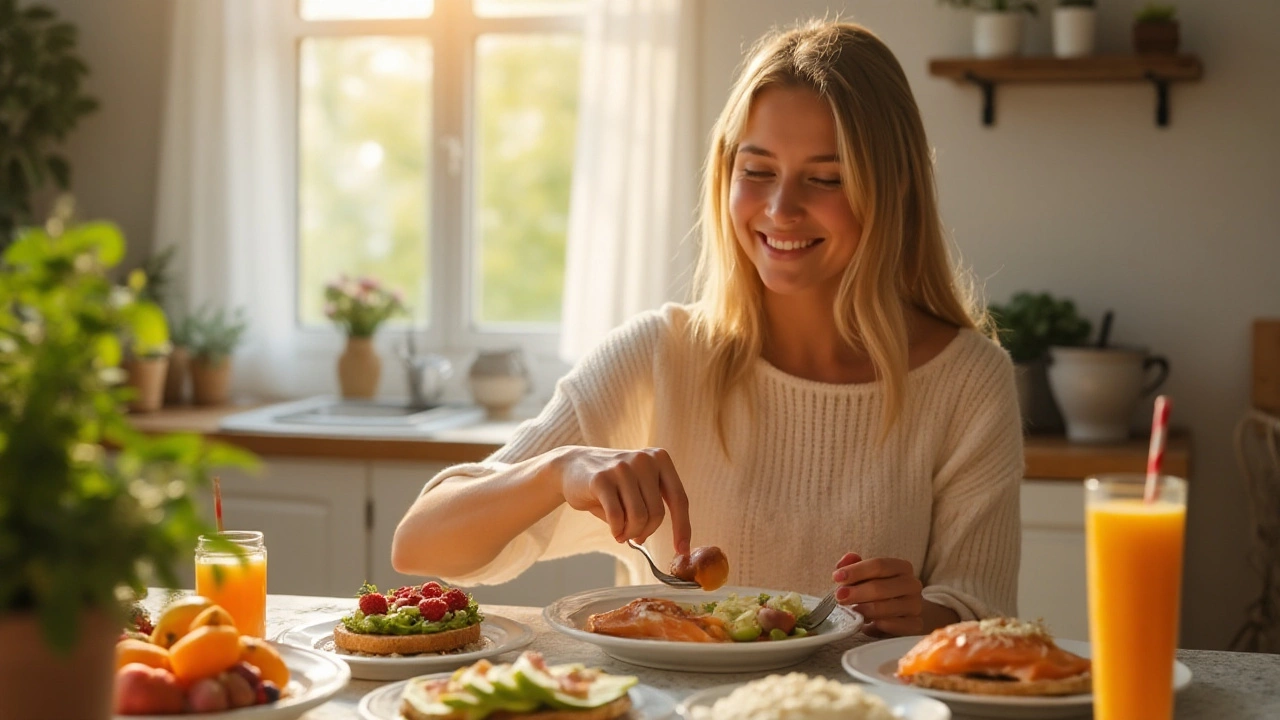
1134	557
237	582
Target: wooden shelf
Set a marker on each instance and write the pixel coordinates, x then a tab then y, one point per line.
1159	70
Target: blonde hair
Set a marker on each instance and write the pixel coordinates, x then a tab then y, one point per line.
901	260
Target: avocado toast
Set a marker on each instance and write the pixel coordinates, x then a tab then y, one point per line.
527	689
431	618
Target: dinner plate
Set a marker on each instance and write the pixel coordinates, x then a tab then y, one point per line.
877	662
497	635
314	677
384	703
904	704
569	616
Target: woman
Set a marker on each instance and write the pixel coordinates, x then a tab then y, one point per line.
826	411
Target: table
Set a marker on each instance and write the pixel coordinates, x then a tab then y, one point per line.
1226	685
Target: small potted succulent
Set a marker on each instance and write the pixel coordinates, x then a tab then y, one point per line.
997	25
1155	29
1028	325
214	337
1074	28
82	528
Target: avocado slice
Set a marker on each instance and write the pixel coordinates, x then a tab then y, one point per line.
545	685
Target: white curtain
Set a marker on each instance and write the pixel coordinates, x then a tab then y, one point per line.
635	171
224	196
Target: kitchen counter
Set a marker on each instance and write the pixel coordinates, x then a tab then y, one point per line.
1240	686
1048	457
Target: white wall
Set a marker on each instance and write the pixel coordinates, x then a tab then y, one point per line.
1074	190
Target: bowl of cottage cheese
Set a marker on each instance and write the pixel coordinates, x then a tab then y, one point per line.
797	696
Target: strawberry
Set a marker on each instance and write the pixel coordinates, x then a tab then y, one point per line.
432	590
457	599
373	604
433	609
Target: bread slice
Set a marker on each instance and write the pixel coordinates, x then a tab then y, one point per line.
611	711
416	644
977	685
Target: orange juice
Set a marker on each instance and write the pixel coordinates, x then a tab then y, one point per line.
1134	557
237	583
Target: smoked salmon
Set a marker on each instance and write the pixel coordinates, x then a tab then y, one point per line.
658	619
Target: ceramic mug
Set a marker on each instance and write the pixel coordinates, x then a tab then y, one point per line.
1097	389
499	379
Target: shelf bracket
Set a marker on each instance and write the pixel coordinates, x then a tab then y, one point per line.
988	97
1162	98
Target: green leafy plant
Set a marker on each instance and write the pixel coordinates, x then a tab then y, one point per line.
183	332
360	306
40	103
214	334
1156	13
1026	6
158	276
78	528
1031	322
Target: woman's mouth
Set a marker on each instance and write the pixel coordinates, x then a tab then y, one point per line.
785	244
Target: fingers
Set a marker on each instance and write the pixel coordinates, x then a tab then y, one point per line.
879	589
904	606
848	559
673	494
863	570
633	504
611	507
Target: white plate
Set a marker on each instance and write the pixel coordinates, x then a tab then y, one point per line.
569	616
877	662
384	702
498	634
314	677
904	704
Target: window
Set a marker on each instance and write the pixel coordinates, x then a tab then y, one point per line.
435	148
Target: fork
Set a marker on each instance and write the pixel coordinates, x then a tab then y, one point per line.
819	612
665	578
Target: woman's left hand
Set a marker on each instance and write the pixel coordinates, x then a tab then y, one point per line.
885	591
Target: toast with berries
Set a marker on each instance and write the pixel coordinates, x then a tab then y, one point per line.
412	620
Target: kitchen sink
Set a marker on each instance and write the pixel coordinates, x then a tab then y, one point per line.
333	416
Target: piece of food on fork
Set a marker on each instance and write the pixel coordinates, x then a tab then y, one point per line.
706	566
998	656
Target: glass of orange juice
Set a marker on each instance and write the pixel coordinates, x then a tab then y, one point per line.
1133	551
235	580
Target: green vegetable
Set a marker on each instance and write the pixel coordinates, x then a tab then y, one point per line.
408	621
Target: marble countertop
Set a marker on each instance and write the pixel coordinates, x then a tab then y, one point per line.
1225	685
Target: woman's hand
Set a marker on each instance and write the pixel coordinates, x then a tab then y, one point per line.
885	591
628	490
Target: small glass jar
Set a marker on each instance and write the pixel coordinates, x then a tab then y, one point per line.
235	579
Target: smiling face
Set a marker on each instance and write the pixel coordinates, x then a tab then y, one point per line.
786	195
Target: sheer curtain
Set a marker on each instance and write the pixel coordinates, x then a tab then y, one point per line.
635	169
225	193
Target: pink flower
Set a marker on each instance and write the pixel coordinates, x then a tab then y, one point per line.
367	284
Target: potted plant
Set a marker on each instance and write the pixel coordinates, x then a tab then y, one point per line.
1028	325
40	103
182	337
215	335
148	349
359	307
80	528
1074	28
1155	29
997	25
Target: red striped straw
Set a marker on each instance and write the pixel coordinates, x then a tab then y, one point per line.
217	502
1155	455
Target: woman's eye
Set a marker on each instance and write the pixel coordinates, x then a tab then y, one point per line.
827	182
750	173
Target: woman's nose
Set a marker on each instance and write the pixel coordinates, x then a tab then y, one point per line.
784	204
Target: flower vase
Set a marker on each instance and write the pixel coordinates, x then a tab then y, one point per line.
359	368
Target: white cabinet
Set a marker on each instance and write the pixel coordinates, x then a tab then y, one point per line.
312	514
394	488
1051	584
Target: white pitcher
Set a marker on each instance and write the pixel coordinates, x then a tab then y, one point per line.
1097	389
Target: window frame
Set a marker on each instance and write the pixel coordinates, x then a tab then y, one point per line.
452	30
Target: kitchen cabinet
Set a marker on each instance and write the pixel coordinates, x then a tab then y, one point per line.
1051	583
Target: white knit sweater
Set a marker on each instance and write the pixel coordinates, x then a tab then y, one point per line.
807	478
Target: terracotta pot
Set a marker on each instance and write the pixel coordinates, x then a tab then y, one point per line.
210	382
359	368
146	377
175	380
37	683
1155	37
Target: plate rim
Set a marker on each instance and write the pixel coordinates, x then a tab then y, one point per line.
363	711
683	709
1182	678
523	636
320	693
812	641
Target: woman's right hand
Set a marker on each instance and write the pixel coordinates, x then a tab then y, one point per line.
627	489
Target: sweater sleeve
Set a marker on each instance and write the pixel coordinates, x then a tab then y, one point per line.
971	564
605	401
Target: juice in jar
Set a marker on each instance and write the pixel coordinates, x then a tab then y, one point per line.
1134	558
237	583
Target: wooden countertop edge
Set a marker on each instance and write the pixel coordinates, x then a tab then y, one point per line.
1048	457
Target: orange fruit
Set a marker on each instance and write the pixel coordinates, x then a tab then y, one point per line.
260	654
212	615
141	651
205	652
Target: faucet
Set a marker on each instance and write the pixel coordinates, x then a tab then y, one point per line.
427	374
